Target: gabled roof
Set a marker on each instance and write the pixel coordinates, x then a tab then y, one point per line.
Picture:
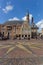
13	22
34	26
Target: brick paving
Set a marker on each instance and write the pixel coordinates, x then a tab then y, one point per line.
19	51
22	49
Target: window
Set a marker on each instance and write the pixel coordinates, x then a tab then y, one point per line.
9	28
22	35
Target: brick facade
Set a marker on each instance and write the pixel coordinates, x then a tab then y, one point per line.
18	30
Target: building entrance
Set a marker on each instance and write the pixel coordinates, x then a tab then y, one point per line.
34	35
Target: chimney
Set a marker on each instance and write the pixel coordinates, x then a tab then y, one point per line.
32	20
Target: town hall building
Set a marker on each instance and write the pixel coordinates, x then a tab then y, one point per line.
19	29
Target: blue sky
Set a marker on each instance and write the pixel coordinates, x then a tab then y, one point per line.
18	8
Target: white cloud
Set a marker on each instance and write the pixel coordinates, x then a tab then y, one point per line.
40	24
24	18
12	19
7	8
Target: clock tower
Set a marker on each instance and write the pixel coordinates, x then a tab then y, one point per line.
27	17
